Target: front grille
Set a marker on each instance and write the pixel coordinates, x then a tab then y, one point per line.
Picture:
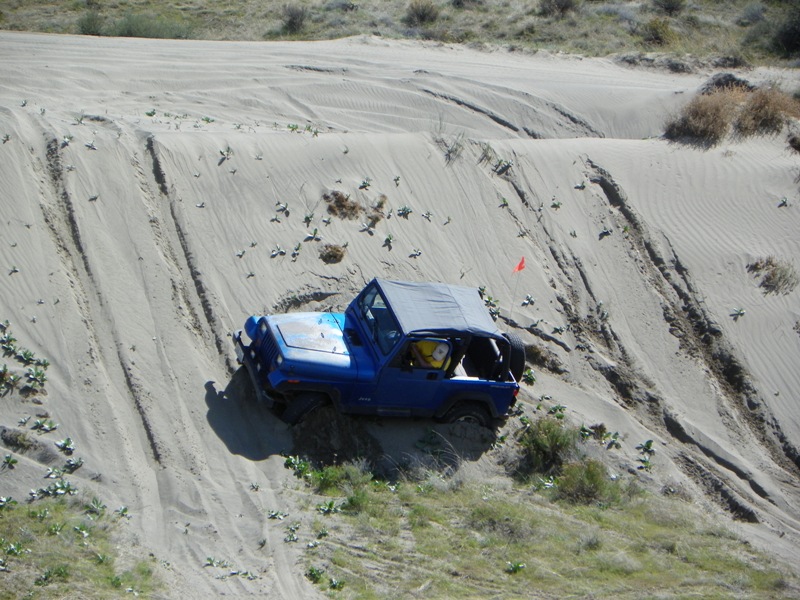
267	350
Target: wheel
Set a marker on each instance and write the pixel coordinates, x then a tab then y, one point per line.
301	406
517	360
469	412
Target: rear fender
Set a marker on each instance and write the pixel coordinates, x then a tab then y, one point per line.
481	398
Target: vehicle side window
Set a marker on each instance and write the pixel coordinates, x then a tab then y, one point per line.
384	328
428	354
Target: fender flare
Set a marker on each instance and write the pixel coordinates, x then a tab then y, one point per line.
481	398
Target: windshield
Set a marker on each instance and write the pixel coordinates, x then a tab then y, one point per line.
385	330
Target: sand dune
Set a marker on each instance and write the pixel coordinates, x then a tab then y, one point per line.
142	184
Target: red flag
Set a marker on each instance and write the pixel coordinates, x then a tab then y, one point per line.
520	266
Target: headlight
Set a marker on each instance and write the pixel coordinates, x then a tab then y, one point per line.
279	360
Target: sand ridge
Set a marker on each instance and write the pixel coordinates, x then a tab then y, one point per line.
149	186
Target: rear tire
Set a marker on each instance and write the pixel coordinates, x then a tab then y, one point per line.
469	412
301	406
517	358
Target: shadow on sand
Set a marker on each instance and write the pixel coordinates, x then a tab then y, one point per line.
247	428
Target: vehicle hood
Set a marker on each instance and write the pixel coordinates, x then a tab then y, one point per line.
319	332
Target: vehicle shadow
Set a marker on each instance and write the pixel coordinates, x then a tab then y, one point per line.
247	428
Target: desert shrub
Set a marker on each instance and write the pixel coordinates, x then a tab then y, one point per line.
669	7
342	478
340	205
546	445
421	12
794	142
90	23
147	26
557	8
777	276
752	13
332	253
706	119
786	37
585	482
766	110
293	18
463	3
657	32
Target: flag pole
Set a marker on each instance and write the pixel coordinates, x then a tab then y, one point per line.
517	269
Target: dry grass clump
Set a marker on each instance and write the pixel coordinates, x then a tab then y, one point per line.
658	32
779	277
340	205
669	7
421	12
708	118
294	18
332	253
766	110
557	8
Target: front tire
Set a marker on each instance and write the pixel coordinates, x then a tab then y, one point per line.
469	412
301	406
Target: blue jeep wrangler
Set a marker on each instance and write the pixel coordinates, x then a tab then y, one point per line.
400	349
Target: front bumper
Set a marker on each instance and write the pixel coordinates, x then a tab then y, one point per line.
248	357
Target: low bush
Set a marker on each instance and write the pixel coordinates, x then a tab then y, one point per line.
786	37
147	26
765	111
657	32
293	19
332	253
707	118
557	8
421	12
546	445
91	23
586	482
669	7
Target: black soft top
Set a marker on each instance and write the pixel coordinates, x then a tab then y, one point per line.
438	308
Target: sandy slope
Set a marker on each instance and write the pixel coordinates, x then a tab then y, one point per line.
134	292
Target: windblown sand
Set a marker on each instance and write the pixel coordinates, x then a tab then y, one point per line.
153	193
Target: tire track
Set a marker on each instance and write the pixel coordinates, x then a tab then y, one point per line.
71	244
203	294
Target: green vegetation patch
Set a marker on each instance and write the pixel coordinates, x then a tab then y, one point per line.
567	528
62	548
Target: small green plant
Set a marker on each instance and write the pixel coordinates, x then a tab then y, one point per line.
151	112
404	211
67	446
44	425
528	376
328	508
9	462
95	507
300	466
365	183
335	584
513	567
646	452
314	574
